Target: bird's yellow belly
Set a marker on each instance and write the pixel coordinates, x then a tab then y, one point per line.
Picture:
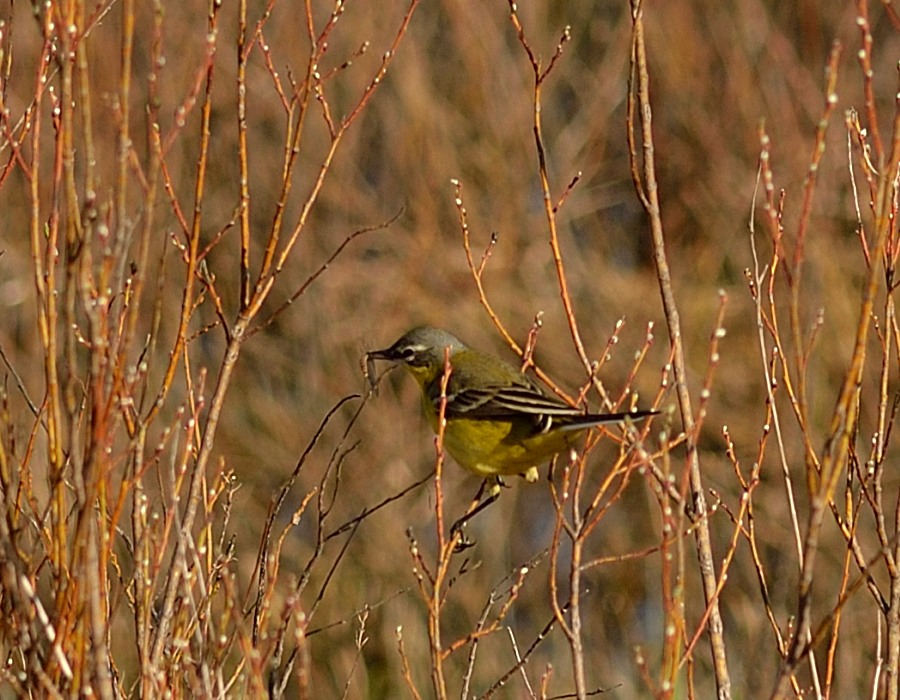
498	448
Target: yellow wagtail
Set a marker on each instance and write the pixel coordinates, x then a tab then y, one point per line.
498	421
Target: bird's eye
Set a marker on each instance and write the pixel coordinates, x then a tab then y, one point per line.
407	355
415	356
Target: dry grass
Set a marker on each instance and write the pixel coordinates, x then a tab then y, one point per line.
209	214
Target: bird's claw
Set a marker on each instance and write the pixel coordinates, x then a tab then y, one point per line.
462	542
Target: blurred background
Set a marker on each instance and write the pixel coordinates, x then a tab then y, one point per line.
457	102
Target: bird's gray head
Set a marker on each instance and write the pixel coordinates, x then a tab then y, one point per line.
422	346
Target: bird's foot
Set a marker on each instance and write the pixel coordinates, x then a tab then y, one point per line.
457	534
478	505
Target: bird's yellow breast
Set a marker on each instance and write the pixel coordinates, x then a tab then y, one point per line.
499	447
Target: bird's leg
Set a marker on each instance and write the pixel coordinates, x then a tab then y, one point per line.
476	506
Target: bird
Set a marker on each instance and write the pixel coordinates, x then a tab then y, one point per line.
499	422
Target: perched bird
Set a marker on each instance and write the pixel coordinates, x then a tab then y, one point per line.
499	421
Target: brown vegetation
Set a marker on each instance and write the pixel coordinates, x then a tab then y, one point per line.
208	215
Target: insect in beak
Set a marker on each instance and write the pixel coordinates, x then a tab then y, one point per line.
369	373
369	370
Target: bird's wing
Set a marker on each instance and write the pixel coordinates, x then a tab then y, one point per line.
523	397
501	400
506	402
516	395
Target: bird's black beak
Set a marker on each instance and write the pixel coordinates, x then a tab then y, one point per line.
385	354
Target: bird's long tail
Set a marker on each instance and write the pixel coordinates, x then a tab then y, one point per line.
591	419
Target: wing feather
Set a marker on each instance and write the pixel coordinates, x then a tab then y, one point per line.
516	397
